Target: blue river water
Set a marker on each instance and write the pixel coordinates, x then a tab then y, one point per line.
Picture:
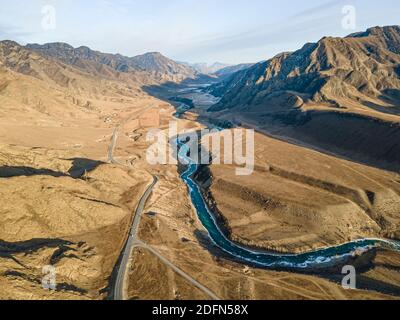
314	259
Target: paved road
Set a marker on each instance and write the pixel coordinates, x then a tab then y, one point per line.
119	289
134	242
177	270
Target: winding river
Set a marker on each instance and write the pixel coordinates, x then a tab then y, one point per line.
314	259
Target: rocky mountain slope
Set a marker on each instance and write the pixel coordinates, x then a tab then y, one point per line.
154	64
38	89
228	71
339	94
162	67
360	67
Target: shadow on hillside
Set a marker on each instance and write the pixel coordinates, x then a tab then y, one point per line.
170	89
81	166
393	110
218	254
9	249
16	171
398	71
29	246
164	91
391	97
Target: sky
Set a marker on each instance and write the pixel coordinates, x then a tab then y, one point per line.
228	31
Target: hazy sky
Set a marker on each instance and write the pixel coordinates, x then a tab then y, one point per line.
231	31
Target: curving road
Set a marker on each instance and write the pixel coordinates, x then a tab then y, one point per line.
132	242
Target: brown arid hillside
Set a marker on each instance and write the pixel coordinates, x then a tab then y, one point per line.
62	203
298	200
73	168
360	67
153	64
56	214
339	94
30	79
48	94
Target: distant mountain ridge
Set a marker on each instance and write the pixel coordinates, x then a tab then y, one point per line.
62	68
154	63
230	70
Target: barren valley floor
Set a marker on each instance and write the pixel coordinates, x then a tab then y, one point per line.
64	204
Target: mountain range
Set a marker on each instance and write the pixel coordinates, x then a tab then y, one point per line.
227	71
158	66
339	94
74	128
362	67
